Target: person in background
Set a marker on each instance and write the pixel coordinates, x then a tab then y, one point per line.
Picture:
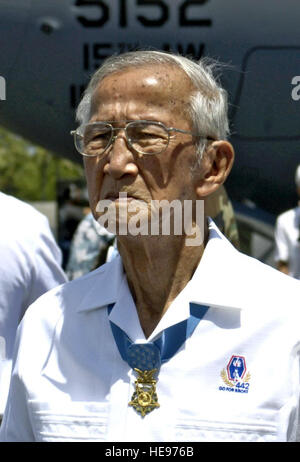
287	237
71	206
89	247
30	265
218	206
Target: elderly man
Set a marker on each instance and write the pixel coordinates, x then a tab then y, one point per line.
181	337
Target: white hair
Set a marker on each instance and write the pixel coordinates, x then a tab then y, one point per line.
208	105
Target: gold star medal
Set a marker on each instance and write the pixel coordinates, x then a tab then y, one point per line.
144	358
144	399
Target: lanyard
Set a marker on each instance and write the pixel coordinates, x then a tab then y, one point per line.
151	355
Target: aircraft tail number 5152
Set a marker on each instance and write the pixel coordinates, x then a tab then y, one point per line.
149	13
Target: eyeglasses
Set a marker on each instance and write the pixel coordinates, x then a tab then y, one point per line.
143	136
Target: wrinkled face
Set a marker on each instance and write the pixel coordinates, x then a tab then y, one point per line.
148	93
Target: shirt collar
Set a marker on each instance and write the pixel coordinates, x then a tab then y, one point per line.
212	283
102	286
216	279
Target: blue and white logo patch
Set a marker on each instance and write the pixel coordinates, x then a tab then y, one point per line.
235	376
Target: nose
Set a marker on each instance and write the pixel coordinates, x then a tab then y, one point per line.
120	160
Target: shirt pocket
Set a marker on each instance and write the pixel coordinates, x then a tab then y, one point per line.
192	430
80	421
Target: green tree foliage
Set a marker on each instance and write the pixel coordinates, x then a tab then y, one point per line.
31	172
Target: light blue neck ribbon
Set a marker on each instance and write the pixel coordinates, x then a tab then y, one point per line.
150	355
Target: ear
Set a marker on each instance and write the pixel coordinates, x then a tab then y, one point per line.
215	168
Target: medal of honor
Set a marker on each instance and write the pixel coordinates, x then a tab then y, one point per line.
144	399
145	358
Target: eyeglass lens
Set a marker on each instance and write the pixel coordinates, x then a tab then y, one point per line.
144	137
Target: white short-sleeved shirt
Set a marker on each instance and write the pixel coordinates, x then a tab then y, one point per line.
236	378
29	266
287	245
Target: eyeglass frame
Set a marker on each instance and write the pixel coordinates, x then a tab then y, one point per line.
113	138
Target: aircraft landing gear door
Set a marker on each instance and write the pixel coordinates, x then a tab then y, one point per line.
265	124
268	94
